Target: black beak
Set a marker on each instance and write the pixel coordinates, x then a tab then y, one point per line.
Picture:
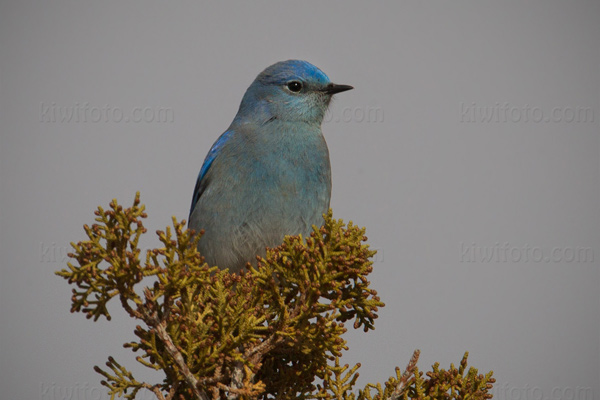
332	88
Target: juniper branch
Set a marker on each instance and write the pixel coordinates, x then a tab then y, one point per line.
266	333
191	380
406	376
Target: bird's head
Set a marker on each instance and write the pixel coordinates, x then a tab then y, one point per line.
292	90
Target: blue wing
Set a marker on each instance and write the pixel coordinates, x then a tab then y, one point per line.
210	157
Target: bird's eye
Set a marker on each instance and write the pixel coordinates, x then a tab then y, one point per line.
294	86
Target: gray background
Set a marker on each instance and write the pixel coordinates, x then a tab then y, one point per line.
415	159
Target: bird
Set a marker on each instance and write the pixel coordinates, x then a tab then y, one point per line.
269	174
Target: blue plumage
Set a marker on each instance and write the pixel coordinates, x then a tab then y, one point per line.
268	175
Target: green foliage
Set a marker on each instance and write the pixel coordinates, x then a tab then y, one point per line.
441	384
268	332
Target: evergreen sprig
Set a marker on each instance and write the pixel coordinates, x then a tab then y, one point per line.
267	332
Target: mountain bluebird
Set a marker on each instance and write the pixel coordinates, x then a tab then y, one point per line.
268	175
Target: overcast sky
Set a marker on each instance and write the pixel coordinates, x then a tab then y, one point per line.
468	149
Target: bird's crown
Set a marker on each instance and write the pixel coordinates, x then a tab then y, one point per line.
284	71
